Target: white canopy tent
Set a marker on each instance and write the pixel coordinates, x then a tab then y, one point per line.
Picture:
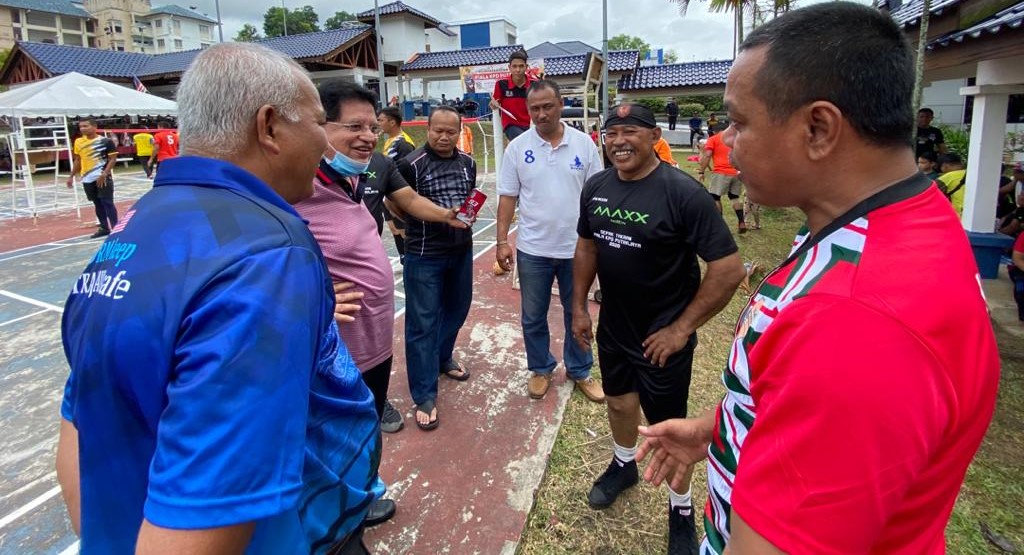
38	115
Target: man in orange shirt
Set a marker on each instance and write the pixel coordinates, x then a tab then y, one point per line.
165	145
724	178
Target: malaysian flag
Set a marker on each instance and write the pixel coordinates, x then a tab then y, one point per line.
138	85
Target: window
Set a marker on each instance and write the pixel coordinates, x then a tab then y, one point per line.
114	26
204	45
15	15
177	44
204	30
69	23
158	23
17	33
119	45
160	44
89	28
35	35
177	26
40	19
73	39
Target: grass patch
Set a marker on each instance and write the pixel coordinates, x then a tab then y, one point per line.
561	522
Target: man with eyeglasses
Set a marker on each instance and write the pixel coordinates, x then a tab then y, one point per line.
438	263
349	237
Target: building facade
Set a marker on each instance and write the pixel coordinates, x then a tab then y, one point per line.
49	21
136	26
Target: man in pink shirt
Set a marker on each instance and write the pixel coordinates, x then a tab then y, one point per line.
347	234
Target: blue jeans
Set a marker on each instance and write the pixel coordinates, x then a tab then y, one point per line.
536	275
438	292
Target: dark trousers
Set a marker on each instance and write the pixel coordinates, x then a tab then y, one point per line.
377	380
103	201
438	293
672	122
352	545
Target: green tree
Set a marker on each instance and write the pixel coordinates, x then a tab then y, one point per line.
247	33
671	57
337	20
629	42
277	20
759	11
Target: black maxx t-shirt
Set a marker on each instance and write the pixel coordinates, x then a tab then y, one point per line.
648	234
380	179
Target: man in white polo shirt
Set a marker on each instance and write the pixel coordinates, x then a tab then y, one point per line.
544	169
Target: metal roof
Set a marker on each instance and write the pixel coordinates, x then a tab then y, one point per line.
397	8
457	58
1010	18
549	49
171	62
172	9
63	7
676	75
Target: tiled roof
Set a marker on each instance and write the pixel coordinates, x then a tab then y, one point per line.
396	8
549	49
171	62
58	59
676	75
556	66
317	43
458	58
1010	18
909	13
172	9
63	7
623	60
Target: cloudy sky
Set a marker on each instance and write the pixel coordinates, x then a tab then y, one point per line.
699	35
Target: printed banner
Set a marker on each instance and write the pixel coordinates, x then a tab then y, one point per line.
481	79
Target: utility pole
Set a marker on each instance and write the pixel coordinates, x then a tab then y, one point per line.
604	67
220	25
381	85
284	15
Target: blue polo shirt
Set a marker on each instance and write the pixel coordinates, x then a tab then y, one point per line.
208	383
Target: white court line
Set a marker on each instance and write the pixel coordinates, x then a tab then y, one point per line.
25	317
27	507
23	299
51	243
71	549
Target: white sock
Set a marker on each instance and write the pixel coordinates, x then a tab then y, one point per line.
624	455
676	500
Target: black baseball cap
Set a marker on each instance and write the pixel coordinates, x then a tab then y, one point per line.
630	114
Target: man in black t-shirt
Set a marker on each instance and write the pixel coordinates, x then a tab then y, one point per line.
929	139
672	110
642	227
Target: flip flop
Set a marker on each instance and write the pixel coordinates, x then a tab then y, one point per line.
459	377
426	408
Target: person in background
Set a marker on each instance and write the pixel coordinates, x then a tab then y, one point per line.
165	145
144	151
510	96
953	179
1017	275
928	138
695	131
664	152
672	111
928	164
94	159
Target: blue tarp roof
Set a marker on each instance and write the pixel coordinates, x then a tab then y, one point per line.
677	75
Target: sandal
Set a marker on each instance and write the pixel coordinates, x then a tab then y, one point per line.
455	372
427	407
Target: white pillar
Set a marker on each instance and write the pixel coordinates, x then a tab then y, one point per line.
988	133
499	142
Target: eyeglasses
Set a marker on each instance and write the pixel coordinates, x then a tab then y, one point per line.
357	128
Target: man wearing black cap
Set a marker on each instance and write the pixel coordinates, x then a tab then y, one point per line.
642	226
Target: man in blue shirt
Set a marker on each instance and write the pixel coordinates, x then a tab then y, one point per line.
211	407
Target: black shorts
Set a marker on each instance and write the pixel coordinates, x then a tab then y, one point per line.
93	193
664	392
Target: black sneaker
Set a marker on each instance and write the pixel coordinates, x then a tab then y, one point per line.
102	232
682	531
618	478
391	422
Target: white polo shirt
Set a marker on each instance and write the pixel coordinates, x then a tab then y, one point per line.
548	182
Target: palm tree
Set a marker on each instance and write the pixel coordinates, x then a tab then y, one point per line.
922	48
759	11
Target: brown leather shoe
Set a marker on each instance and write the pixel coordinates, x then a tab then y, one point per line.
538	385
591	389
